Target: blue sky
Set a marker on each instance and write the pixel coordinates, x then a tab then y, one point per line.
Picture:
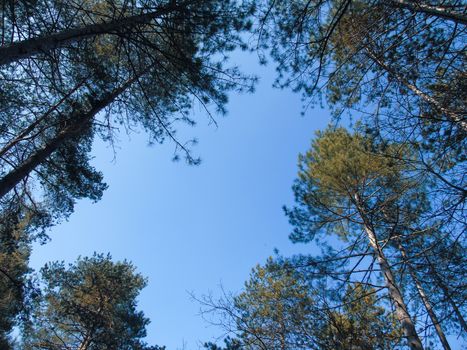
190	228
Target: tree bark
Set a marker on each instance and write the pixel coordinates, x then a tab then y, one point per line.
78	121
85	343
452	115
447	295
27	48
23	134
436	11
393	289
424	298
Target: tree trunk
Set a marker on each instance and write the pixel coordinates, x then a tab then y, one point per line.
24	134
85	343
27	48
447	295
436	11
455	117
424	298
78	121
394	293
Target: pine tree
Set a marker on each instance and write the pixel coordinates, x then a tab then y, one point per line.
74	71
360	324
14	286
346	185
400	65
88	305
275	310
282	308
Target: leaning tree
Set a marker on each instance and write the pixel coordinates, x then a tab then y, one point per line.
74	71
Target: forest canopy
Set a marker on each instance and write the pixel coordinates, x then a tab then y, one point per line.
381	191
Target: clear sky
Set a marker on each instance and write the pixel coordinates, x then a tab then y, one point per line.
190	228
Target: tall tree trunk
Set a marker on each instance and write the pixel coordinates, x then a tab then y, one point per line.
457	118
424	298
447	295
393	289
432	10
85	343
27	48
78	121
24	133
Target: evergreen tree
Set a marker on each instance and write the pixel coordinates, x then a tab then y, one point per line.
281	308
347	184
399	64
230	344
74	71
361	324
398	55
14	257
89	305
275	310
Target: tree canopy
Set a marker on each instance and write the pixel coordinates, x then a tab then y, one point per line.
281	308
383	197
397	66
372	197
88	305
74	71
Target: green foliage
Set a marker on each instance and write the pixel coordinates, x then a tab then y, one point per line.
370	193
276	309
165	56
342	171
89	305
345	163
58	93
362	323
281	308
362	54
14	257
398	66
230	344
